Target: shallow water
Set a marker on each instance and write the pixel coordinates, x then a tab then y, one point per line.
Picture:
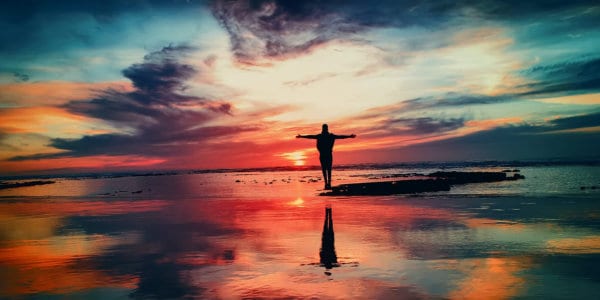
258	235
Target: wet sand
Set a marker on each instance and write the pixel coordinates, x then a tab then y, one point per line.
234	236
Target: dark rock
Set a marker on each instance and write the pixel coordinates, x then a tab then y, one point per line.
389	187
516	176
442	182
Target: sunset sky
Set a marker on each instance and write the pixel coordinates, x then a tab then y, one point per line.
149	85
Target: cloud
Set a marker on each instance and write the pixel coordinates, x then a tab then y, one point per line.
161	72
426	125
453	100
515	142
20	77
310	80
563	78
43	93
156	118
580	76
576	122
89	41
275	29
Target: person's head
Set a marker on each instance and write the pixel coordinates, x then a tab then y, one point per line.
325	128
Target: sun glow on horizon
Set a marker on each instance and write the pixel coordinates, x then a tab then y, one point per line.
297	157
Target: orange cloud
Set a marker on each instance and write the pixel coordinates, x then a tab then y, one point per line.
89	162
54	92
49	121
492	123
28	129
585	99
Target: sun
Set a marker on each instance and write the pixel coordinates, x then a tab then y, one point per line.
298	158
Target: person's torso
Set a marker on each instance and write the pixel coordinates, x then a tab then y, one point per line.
325	142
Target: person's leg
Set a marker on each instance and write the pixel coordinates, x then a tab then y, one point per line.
329	167
323	160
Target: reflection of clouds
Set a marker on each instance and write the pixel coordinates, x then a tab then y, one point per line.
51	265
60	280
266	243
36	258
174	242
14	228
314	285
490	278
82	208
59	250
583	245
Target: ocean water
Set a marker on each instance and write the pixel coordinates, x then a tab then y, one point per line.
260	235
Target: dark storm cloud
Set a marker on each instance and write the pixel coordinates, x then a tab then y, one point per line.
273	29
160	81
157	118
578	76
278	28
161	72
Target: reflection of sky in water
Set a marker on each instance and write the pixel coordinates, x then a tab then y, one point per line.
210	236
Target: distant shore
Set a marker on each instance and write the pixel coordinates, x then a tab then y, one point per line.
6	185
362	166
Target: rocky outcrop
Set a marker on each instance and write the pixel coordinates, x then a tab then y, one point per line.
441	181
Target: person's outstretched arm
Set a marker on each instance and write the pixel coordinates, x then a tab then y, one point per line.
345	136
307	136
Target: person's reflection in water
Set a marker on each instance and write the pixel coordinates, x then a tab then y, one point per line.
327	252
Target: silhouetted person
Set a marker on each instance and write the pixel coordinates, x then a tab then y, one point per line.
325	141
327	252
